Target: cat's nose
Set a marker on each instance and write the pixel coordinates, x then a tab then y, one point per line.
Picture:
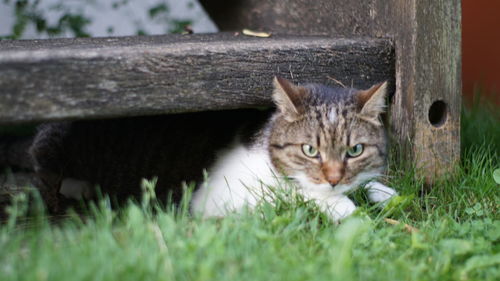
333	171
333	180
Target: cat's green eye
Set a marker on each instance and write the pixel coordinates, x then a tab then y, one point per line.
309	150
355	151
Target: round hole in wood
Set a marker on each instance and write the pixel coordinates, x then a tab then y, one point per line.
438	112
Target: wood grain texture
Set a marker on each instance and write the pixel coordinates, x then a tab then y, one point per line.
55	79
438	67
427	38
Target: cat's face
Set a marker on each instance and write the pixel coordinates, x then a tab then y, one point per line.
328	138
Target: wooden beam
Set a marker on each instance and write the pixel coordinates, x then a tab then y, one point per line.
57	79
425	110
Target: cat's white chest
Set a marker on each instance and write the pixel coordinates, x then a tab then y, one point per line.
239	178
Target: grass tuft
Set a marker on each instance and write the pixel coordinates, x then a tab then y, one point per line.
449	233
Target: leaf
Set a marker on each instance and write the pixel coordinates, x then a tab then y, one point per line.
496	175
158	10
249	32
407	227
418	242
397	204
477	262
469	210
493	233
457	246
400	201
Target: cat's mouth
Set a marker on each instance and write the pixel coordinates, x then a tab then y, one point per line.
342	182
344	185
314	184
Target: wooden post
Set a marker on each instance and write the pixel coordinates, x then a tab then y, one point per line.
425	111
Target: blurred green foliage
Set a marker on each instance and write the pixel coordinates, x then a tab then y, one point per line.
75	23
28	12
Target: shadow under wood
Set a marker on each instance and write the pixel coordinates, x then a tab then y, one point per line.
116	154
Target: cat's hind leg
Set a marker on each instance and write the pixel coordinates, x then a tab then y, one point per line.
46	154
378	192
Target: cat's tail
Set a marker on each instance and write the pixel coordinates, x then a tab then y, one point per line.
14	152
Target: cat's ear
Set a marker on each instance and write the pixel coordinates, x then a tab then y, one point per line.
289	98
372	102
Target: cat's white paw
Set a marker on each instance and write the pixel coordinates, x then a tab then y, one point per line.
378	192
338	207
76	189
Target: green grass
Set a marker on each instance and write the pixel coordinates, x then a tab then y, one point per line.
457	239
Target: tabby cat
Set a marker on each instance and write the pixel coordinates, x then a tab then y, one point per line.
326	141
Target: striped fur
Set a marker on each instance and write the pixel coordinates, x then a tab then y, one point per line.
331	120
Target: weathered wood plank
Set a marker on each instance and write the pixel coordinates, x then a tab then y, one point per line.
108	77
427	40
